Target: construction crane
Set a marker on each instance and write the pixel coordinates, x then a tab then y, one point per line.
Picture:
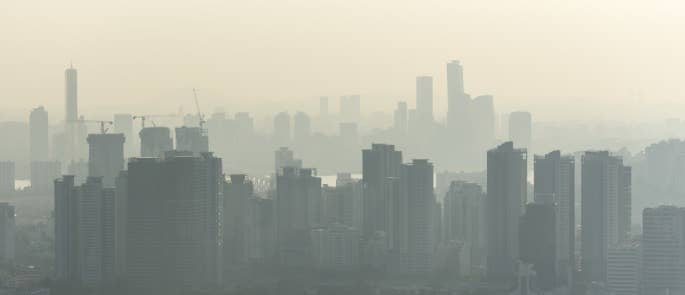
102	123
144	117
200	116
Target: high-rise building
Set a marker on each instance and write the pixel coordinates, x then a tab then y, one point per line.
7	234
7	177
192	139
123	123
284	157
173	203
39	148
302	128
336	247
462	217
350	108
457	100
298	209
520	129
424	98
343	202
416	218
84	232
554	182
400	118
537	243
380	165
71	96
238	193
623	269
506	196
663	254
155	141
606	198
282	133
74	129
43	176
323	106
106	156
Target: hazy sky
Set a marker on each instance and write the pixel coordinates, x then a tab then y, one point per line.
559	59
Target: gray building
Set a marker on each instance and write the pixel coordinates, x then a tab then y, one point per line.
463	217
606	199
173	228
282	135
192	139
663	250
521	129
350	108
506	197
7	234
381	165
554	183
424	98
298	210
39	149
106	156
155	141
7	177
238	192
123	123
84	232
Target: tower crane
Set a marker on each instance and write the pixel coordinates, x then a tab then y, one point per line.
144	117
200	116
102	123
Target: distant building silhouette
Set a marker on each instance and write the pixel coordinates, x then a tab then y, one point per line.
537	243
323	106
155	141
39	148
7	177
350	108
424	98
123	123
302	130
506	196
401	119
282	134
238	193
381	166
463	217
192	139
520	129
335	247
106	156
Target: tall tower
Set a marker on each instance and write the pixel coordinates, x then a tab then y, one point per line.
506	196
555	184
606	199
38	135
380	165
456	98
71	87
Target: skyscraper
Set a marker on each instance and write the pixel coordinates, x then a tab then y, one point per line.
7	177
106	156
7	234
380	164
555	184
457	100
520	129
400	119
282	133
238	193
302	128
424	98
74	129
606	198
663	254
537	243
123	123
155	141
323	106
462	215
39	148
284	157
71	94
173	203
192	139
350	108
84	232
506	196
416	216
298	208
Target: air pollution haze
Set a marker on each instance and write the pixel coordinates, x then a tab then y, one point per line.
342	147
560	59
